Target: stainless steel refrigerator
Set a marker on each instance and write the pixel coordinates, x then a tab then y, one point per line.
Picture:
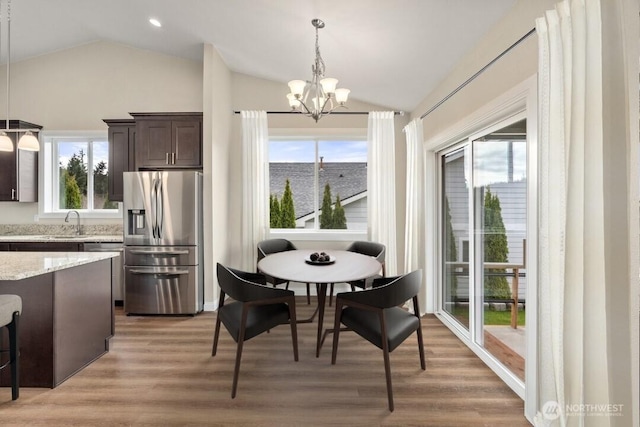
163	263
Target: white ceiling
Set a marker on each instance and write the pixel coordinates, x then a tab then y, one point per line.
388	52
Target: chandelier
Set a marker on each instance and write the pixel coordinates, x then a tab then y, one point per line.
318	97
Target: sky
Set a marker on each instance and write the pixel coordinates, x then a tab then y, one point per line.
66	150
304	151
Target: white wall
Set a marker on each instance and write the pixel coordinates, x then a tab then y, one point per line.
75	89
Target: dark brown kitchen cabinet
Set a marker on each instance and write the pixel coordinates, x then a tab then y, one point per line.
46	246
122	137
19	168
168	140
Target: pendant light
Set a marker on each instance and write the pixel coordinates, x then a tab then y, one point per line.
28	141
6	144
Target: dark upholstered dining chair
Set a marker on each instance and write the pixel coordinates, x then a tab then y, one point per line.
375	315
373	249
256	308
272	246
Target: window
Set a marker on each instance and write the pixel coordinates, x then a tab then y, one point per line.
318	183
75	175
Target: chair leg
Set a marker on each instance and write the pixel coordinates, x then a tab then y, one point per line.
215	337
421	348
336	332
294	329
308	295
331	295
236	370
387	364
14	355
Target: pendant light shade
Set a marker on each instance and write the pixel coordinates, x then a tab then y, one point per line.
28	142
6	144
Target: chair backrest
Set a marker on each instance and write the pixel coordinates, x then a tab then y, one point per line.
374	249
272	246
233	284
395	291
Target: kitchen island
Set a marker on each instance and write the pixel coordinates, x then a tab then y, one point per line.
67	311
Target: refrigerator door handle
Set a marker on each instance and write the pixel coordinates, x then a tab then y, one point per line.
160	208
154	207
160	273
158	253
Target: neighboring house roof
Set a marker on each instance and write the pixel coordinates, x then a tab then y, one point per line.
345	179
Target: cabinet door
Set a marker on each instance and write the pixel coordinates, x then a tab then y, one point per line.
153	143
187	143
8	178
120	150
47	246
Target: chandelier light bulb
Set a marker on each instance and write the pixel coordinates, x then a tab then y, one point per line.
293	102
329	85
342	95
297	87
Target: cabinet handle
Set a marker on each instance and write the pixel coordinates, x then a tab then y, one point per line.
166	158
13	194
173	158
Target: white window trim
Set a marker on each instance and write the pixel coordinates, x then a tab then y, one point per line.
521	98
45	173
315	235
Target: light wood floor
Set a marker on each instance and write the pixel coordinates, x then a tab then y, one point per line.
159	372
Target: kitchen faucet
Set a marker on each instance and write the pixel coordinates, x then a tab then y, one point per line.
66	219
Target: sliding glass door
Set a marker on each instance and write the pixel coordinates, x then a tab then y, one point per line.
483	235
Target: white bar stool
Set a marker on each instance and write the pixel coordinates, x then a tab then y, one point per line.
10	309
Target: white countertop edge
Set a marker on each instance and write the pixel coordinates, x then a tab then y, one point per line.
84	238
22	265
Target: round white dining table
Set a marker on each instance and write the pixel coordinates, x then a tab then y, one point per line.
295	266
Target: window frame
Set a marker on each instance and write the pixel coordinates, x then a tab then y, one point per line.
48	179
317	235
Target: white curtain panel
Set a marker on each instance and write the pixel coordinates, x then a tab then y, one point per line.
414	221
255	175
573	363
381	190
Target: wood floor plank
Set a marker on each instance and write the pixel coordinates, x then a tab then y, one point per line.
159	372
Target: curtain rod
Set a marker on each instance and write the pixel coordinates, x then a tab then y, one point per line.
397	113
482	70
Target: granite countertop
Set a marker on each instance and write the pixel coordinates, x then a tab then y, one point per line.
21	265
62	238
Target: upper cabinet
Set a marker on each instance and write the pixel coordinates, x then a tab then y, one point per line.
168	140
122	137
19	168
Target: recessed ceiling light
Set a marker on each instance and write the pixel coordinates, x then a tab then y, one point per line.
155	22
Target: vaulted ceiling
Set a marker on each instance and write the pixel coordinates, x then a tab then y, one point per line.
388	52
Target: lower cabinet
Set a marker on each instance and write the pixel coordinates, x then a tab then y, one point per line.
43	246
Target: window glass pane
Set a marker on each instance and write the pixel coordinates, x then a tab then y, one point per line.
72	174
292	163
342	184
101	176
313	168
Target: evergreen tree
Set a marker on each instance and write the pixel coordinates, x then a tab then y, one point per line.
100	179
73	198
339	217
326	216
496	248
287	210
77	168
274	211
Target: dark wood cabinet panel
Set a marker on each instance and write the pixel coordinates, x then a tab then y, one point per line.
18	168
168	140
4	246
46	246
122	135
